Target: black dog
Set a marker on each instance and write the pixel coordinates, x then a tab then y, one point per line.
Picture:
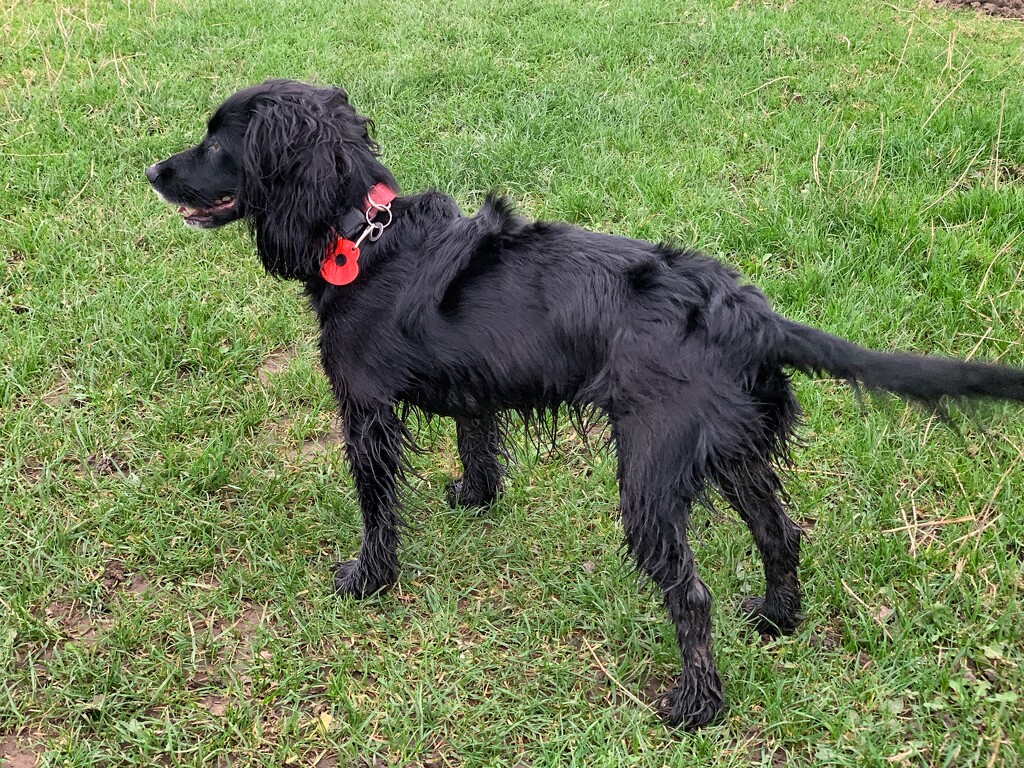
481	316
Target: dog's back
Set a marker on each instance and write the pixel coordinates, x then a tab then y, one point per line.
510	313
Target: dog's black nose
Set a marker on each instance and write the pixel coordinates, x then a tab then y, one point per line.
153	172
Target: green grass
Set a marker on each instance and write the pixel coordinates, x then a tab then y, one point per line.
172	494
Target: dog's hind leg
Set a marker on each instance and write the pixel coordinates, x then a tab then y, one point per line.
752	489
374	440
750	484
659	477
481	450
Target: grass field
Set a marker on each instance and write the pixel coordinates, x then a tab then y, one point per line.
173	490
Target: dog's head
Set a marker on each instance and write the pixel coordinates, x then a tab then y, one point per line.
291	159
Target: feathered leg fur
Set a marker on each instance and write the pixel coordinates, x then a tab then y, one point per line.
659	477
481	450
374	442
751	486
753	495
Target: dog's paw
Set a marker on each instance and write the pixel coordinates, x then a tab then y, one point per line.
693	703
453	491
767	622
350	578
461	495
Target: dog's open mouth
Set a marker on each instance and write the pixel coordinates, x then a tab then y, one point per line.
203	217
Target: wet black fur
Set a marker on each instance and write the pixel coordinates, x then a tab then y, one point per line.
475	317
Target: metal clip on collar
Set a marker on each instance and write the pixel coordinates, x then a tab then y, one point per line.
374	229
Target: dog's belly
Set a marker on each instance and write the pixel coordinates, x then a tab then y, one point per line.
473	393
456	406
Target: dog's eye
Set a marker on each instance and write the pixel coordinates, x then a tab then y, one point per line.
214	147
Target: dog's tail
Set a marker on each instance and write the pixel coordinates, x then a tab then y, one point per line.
923	378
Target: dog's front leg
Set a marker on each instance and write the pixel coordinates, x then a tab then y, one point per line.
374	439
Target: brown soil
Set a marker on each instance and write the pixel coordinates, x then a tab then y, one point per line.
1010	9
16	754
117	578
235	635
215	705
75	623
275	363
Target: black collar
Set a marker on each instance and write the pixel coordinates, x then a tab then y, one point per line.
341	259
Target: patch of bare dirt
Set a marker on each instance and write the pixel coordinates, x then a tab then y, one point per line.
99	465
32	470
274	363
753	744
315	446
105	464
1011	173
326	436
321	759
236	634
828	639
116	578
215	705
138	585
244	625
75	622
54	396
17	754
1008	9
113	576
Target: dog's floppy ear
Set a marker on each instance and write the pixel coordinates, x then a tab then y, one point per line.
297	155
